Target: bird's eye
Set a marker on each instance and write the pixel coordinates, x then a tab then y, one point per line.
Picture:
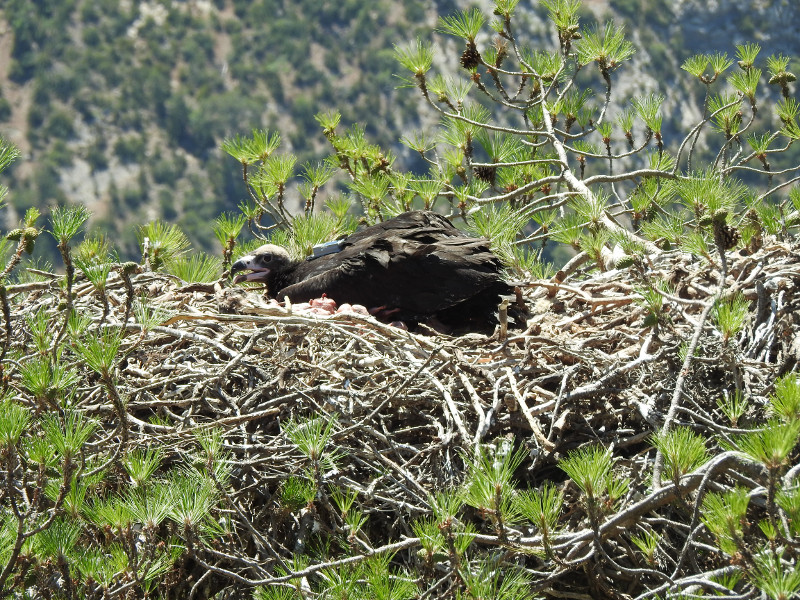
267	258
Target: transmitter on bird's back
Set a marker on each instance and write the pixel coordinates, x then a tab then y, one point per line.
326	248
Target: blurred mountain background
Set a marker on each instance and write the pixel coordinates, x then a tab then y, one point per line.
122	105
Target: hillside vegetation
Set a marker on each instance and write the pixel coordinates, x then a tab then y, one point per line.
122	106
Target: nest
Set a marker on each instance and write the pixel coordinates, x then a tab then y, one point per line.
407	411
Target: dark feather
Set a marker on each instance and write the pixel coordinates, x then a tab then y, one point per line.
416	266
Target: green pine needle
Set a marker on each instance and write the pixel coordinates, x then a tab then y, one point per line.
100	351
747	53
724	515
491	578
58	540
720	62
500	224
647	544
141	464
67	222
310	230
149	314
417	58
730	315
463	24
67	435
50	382
193	498
97	274
563	13
591	470
771	445
734	406
684	451
746	82
541	507
785	402
608	48
430	536
150	505
696	65
297	493
789	501
777	578
649	110
490	486
198	268
8	153
726	111
94	250
40	327
328	120
14	420
445	505
75	499
311	436
165	242
113	512
258	147
227	227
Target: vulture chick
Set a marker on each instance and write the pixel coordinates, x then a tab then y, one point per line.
416	267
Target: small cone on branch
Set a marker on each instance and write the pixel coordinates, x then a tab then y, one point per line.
487	174
470	58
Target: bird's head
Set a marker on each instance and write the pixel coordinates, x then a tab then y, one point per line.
262	262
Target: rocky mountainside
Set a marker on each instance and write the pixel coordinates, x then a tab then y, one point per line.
122	106
708	26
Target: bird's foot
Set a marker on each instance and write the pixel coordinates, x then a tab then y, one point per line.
383	313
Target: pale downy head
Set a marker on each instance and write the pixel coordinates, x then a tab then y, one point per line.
261	262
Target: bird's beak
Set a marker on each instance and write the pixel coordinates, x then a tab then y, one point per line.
246	263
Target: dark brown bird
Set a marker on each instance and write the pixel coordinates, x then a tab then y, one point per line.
414	267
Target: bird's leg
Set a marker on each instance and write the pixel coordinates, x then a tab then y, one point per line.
383	312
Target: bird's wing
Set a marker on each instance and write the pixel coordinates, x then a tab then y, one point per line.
418	263
349	278
421	226
445	274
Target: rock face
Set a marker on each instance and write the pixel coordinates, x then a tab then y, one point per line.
713	25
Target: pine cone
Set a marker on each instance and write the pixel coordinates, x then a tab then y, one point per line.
470	58
486	174
731	237
726	236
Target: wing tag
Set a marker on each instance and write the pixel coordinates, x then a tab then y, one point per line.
326	248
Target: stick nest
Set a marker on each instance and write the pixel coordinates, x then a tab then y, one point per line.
407	415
